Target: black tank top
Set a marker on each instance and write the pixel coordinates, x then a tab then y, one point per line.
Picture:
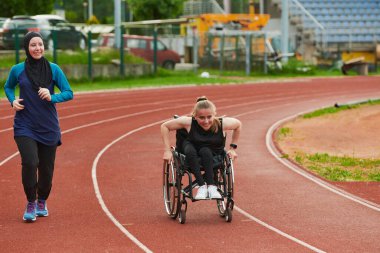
202	138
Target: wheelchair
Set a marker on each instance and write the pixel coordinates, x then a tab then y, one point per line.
176	191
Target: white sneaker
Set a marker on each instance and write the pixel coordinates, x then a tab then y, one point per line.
202	192
213	192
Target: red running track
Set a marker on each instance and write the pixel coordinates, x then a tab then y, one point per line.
107	193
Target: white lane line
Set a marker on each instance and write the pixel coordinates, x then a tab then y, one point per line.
99	195
278	231
94	124
6	129
137	114
8	158
273	150
114	220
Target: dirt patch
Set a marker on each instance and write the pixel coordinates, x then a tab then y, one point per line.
353	133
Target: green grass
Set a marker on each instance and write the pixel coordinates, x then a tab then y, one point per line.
283	132
162	78
75	57
335	168
338	108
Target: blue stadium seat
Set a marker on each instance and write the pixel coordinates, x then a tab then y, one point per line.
345	20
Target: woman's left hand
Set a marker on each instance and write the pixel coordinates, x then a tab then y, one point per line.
232	154
44	94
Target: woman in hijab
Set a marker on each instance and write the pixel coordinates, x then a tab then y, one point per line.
36	127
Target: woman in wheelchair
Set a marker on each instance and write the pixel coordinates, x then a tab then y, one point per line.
204	140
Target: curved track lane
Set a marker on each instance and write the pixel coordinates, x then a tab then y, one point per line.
107	194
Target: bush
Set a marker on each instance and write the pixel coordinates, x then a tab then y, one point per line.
293	67
92	20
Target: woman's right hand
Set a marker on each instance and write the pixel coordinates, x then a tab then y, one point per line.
168	156
17	106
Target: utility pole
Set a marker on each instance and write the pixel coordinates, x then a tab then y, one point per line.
117	15
285	30
227	6
261	6
90	12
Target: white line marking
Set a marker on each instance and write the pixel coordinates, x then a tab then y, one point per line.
131	115
278	231
324	184
6	130
8	158
114	220
99	195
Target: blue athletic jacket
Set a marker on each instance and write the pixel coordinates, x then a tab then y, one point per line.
39	119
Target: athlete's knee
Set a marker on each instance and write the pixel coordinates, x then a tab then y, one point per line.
205	152
30	163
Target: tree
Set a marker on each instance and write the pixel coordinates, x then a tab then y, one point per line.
76	11
35	7
11	8
25	7
155	9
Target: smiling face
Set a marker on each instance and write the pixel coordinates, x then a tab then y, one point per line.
205	118
36	48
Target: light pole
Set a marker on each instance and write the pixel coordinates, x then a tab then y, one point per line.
117	13
123	7
284	29
90	12
85	11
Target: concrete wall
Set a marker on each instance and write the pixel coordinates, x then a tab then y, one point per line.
78	71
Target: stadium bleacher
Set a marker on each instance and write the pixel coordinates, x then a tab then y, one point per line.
344	21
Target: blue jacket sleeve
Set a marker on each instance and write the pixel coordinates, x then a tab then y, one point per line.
10	84
63	85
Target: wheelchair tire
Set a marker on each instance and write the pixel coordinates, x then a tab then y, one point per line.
170	189
230	178
182	216
221	203
225	182
228	215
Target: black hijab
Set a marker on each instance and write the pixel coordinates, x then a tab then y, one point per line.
38	71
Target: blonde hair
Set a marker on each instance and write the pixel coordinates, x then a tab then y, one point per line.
204	103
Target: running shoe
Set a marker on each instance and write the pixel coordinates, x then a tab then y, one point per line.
213	192
30	212
202	192
42	210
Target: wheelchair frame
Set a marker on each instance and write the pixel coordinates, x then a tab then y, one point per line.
175	193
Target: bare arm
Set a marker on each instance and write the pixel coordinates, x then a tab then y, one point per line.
234	125
171	125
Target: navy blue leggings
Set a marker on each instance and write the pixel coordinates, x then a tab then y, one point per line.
206	159
36	157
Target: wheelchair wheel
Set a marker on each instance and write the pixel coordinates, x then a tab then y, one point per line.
182	216
225	179
228	215
170	189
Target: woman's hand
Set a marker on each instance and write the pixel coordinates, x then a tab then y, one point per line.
168	156
44	94
232	154
16	104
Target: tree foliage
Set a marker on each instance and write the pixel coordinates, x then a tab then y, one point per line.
103	10
77	12
9	8
155	9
